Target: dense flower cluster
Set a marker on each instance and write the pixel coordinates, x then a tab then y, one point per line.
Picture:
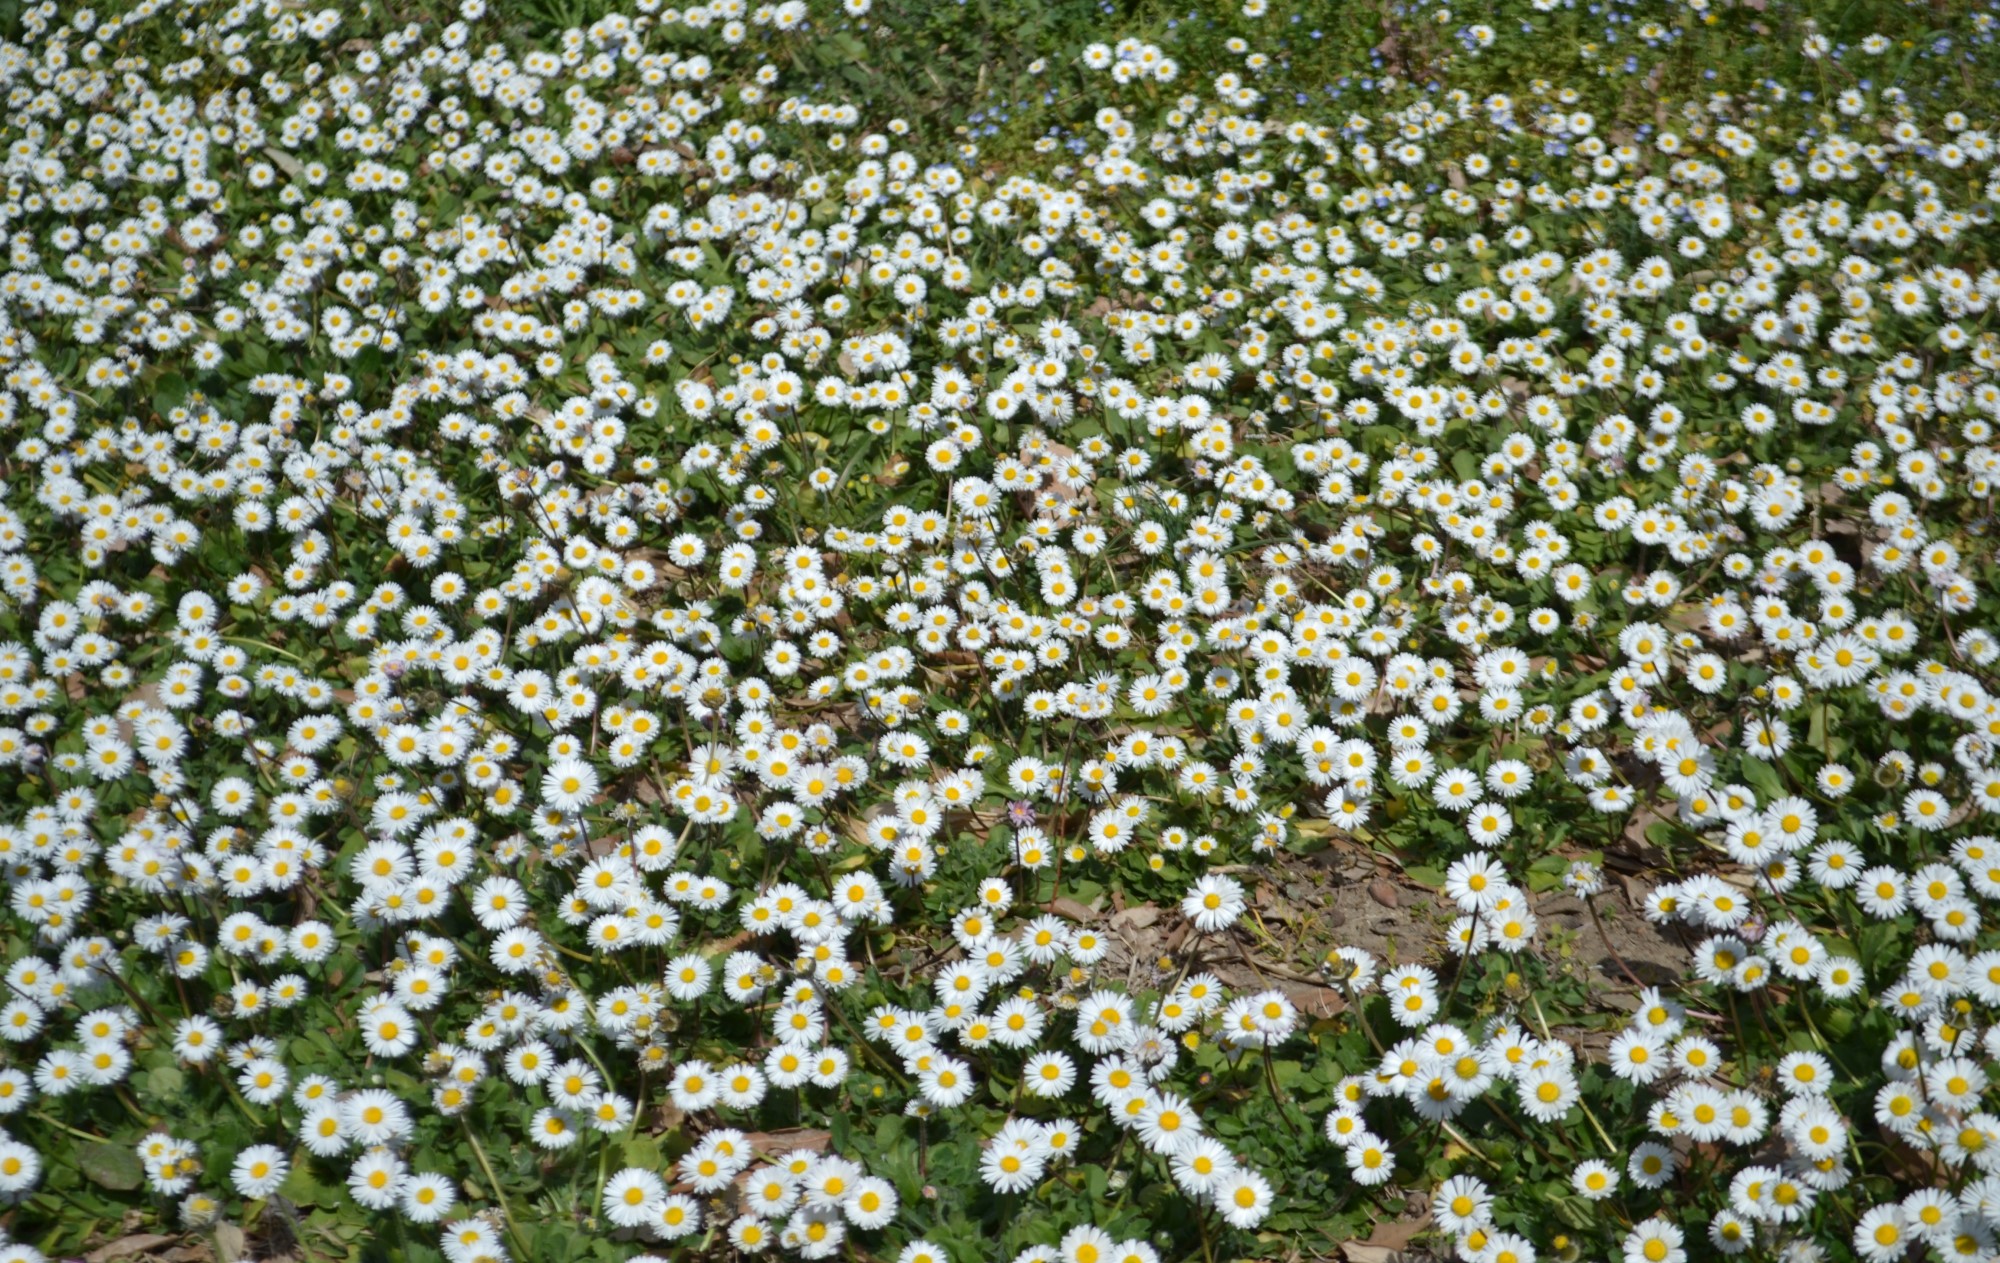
563	593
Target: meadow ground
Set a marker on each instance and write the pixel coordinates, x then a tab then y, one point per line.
1050	632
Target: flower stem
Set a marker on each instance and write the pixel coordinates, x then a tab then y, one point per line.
499	1193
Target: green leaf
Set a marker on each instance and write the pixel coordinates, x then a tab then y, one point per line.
644	1151
1571	1210
1763	778
168	392
306	1189
162	1083
110	1166
889	1131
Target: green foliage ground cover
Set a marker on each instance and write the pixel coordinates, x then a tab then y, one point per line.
686	632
